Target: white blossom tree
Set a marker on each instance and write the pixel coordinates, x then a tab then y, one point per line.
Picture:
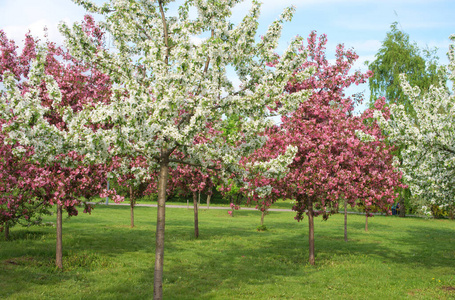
428	161
170	92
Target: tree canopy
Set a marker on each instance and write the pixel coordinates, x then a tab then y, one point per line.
168	91
428	140
398	55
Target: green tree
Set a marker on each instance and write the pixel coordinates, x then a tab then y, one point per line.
396	56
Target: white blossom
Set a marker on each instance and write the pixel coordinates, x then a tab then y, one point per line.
168	89
428	141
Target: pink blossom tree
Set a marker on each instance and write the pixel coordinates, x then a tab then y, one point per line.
135	174
335	159
188	180
64	178
19	178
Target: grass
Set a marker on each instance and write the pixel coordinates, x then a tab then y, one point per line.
105	259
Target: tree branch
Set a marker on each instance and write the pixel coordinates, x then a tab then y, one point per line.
166	35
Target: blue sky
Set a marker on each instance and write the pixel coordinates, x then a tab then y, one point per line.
358	24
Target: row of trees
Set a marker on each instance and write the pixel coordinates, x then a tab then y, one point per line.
160	114
168	106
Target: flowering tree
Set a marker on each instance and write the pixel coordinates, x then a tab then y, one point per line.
29	109
134	173
168	89
428	158
396	56
19	178
377	164
188	180
338	155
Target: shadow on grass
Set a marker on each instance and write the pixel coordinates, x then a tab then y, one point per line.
29	234
228	254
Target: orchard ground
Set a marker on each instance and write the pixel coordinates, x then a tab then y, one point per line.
105	259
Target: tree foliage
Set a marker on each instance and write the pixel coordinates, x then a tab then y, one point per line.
396	56
339	156
37	170
428	140
168	91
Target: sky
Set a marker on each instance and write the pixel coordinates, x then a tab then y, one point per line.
358	24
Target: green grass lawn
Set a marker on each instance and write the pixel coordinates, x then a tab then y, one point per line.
105	259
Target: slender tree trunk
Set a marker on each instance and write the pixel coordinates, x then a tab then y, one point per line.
262	218
366	222
208	200
345	220
59	246
196	221
311	230
132	206
402	208
160	222
6	228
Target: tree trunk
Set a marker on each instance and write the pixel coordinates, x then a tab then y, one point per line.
107	198
196	221
345	220
366	222
402	208
160	222
59	246
6	228
132	206
208	200
311	230
262	218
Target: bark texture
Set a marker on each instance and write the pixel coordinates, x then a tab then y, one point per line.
160	222
311	231
59	244
345	221
402	207
132	206
208	200
6	228
196	220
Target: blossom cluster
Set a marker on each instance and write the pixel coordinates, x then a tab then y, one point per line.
428	140
338	156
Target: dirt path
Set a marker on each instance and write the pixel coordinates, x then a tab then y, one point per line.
191	206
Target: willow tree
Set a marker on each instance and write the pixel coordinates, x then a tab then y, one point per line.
171	92
398	55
